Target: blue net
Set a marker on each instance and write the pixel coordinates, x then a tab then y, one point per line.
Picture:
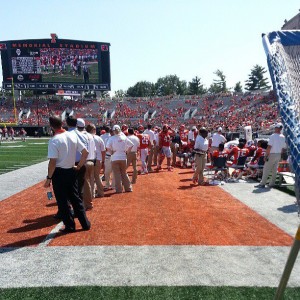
283	55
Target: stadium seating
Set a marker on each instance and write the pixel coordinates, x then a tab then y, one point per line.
232	112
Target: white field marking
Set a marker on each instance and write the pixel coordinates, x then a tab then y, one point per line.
16	146
21	165
51	235
39	143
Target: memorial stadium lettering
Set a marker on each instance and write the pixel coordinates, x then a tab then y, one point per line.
44	45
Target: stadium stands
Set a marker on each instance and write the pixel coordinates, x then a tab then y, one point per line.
232	112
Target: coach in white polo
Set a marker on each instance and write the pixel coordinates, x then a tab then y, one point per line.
118	145
273	155
217	139
63	174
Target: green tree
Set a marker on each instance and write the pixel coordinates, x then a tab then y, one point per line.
218	85
141	89
170	85
120	93
238	87
257	80
195	87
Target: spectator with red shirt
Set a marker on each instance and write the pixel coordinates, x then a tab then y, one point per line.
165	147
144	148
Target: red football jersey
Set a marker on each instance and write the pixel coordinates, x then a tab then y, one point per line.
144	140
218	153
164	139
237	152
258	154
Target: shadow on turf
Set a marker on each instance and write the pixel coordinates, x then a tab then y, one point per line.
22	243
186	187
35	224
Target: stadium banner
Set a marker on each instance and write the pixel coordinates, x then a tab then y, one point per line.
55	64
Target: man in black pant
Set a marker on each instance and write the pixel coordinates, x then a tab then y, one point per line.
62	172
72	126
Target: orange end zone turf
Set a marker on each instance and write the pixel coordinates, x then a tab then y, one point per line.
164	209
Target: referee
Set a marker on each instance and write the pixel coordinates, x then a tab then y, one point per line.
62	172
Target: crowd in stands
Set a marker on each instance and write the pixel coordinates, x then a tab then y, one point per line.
232	112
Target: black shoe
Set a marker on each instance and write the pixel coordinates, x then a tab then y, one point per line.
260	186
57	216
67	230
88	227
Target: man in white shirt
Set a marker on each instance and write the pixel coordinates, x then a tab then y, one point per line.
200	149
156	146
109	178
63	174
150	132
217	139
118	145
88	190
276	145
132	155
72	127
99	160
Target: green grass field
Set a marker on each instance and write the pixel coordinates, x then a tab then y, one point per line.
68	77
141	293
18	154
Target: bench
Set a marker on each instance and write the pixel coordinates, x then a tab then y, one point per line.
288	177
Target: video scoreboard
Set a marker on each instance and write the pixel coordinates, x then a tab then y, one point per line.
55	64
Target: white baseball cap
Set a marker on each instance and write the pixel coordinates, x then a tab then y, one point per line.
80	123
279	125
116	127
194	128
220	129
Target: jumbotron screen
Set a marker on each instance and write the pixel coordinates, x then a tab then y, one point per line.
57	64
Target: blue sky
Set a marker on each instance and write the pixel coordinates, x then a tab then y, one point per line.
152	39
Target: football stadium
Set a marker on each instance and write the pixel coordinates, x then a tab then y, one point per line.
165	195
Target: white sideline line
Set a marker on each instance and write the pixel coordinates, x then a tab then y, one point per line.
50	236
144	266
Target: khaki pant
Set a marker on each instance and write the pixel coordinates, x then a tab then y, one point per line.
155	154
271	166
108	173
120	175
131	159
174	153
150	157
200	161
88	191
98	181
